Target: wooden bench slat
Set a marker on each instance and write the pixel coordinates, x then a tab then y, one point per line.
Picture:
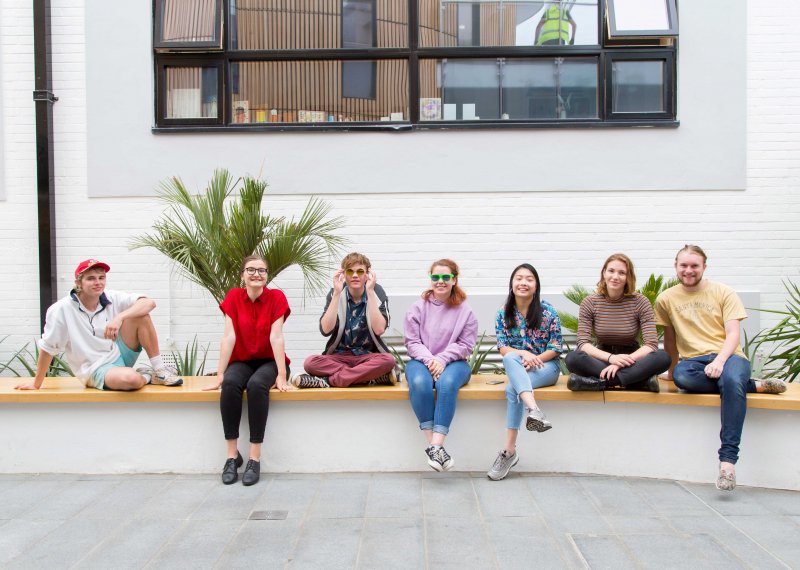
65	390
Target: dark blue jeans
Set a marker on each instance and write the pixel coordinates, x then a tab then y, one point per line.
732	387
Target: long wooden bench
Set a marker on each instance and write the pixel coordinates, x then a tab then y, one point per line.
64	390
62	429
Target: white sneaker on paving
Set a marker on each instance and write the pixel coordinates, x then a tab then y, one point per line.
308	381
502	465
166	376
537	421
439	459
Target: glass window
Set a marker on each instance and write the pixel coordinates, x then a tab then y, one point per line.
638	86
639	18
332	24
311	92
451	23
191	92
187	24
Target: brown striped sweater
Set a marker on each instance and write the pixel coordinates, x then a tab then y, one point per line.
617	322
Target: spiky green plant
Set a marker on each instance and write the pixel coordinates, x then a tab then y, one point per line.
478	355
191	362
784	360
207	235
23	363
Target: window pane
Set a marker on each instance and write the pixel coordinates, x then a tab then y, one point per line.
188	21
550	89
638	86
358	79
191	92
316	91
515	89
450	23
306	24
641	15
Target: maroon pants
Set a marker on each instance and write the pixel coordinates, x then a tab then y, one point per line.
345	369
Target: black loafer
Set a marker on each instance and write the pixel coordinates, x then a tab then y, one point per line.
229	472
251	473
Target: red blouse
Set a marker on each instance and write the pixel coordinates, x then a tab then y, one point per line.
252	321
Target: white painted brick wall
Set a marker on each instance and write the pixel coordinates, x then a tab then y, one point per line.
752	237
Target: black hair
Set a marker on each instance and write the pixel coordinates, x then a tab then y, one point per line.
533	319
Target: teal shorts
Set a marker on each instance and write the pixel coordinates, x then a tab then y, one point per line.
127	358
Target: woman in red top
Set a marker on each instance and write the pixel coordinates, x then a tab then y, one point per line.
251	357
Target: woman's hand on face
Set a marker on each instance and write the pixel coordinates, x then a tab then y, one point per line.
621	360
609	371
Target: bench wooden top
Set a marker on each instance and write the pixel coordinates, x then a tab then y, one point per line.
64	390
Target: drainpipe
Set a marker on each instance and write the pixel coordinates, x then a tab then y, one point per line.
45	183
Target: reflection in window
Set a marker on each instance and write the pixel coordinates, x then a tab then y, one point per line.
303	24
311	92
358	31
509	89
450	23
638	86
188	22
642	17
191	92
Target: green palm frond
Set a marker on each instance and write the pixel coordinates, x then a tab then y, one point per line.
784	360
209	234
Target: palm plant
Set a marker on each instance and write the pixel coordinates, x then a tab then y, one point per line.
27	359
191	362
208	235
784	360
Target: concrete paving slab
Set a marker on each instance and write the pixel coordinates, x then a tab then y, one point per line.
394	496
392	543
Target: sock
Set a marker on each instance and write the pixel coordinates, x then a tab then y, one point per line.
156	362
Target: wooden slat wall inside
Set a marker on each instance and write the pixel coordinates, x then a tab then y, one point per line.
188	20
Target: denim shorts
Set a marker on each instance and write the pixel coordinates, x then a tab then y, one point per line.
127	358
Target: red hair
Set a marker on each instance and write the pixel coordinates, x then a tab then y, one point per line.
457	294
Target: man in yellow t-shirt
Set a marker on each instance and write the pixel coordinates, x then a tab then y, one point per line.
701	321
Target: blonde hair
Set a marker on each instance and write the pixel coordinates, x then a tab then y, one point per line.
630	280
692	249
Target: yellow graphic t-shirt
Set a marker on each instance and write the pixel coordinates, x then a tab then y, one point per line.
699	317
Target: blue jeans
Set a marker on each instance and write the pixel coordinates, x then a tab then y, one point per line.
521	380
732	387
437	412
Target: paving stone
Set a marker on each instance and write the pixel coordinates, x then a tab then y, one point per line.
196	544
561	495
16	536
132	545
392	543
326	543
726	502
776	501
449	497
64	546
457	543
395	495
614	496
124	499
665	551
604	552
20	499
340	497
178	500
506	498
294	495
714	552
261	544
668	497
780	535
524	543
229	502
70	500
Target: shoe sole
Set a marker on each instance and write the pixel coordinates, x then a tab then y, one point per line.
156	382
246	484
719	488
504	475
537	425
436	466
579	387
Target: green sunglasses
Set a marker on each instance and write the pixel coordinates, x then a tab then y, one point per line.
442	277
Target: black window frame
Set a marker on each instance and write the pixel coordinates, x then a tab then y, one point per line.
605	52
672	16
161	45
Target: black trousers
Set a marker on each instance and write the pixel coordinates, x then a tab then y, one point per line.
257	377
631	377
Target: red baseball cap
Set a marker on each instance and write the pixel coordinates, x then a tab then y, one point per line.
88	263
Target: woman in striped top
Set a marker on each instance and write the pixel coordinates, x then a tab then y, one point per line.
619	317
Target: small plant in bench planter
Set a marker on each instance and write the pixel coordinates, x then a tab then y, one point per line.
784	359
26	359
190	362
208	235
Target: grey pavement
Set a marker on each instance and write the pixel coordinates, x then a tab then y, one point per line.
392	520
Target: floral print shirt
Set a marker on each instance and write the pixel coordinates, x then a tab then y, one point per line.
520	337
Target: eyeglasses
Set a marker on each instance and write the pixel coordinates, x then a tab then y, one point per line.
351	272
442	277
253	270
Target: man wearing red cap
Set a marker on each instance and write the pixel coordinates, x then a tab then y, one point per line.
102	334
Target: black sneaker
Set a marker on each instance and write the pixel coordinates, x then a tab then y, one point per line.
585	383
439	459
309	381
251	473
388	379
653	385
229	472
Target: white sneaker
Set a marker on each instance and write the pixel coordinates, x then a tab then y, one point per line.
166	376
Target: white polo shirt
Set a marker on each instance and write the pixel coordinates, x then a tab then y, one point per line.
78	332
